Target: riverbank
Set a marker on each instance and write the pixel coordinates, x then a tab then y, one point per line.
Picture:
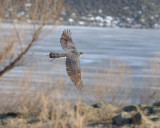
101	115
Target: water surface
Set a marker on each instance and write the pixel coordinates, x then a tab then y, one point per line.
134	47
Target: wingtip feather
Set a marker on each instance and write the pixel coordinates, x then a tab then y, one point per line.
80	86
67	32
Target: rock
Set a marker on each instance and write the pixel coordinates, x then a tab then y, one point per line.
132	115
155	119
99	105
127	118
130	108
155	110
10	115
120	120
137	118
157	104
147	110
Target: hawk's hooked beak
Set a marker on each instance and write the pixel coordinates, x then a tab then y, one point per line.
81	53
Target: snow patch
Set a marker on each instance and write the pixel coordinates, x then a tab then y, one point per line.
99	18
100	11
157	26
81	23
28	5
140	12
126	8
71	20
108	20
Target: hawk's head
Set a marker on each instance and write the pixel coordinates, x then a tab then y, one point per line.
81	53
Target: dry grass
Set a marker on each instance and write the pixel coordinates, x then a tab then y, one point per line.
39	104
111	82
40	107
151	91
45	103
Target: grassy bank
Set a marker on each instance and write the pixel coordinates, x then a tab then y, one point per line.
29	104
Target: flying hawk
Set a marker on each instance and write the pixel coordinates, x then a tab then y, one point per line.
72	58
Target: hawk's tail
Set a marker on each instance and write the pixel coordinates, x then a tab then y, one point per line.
56	55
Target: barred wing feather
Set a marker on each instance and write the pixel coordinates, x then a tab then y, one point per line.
74	71
66	40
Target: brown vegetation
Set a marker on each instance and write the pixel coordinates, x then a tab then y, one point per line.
14	44
47	104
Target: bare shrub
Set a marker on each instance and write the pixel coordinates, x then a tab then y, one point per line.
33	18
150	91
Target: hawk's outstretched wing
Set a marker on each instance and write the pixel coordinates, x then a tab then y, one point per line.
74	71
66	40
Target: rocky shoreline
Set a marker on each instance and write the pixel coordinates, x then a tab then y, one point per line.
108	22
107	115
103	13
100	115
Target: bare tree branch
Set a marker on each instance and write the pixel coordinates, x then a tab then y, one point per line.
14	62
39	14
